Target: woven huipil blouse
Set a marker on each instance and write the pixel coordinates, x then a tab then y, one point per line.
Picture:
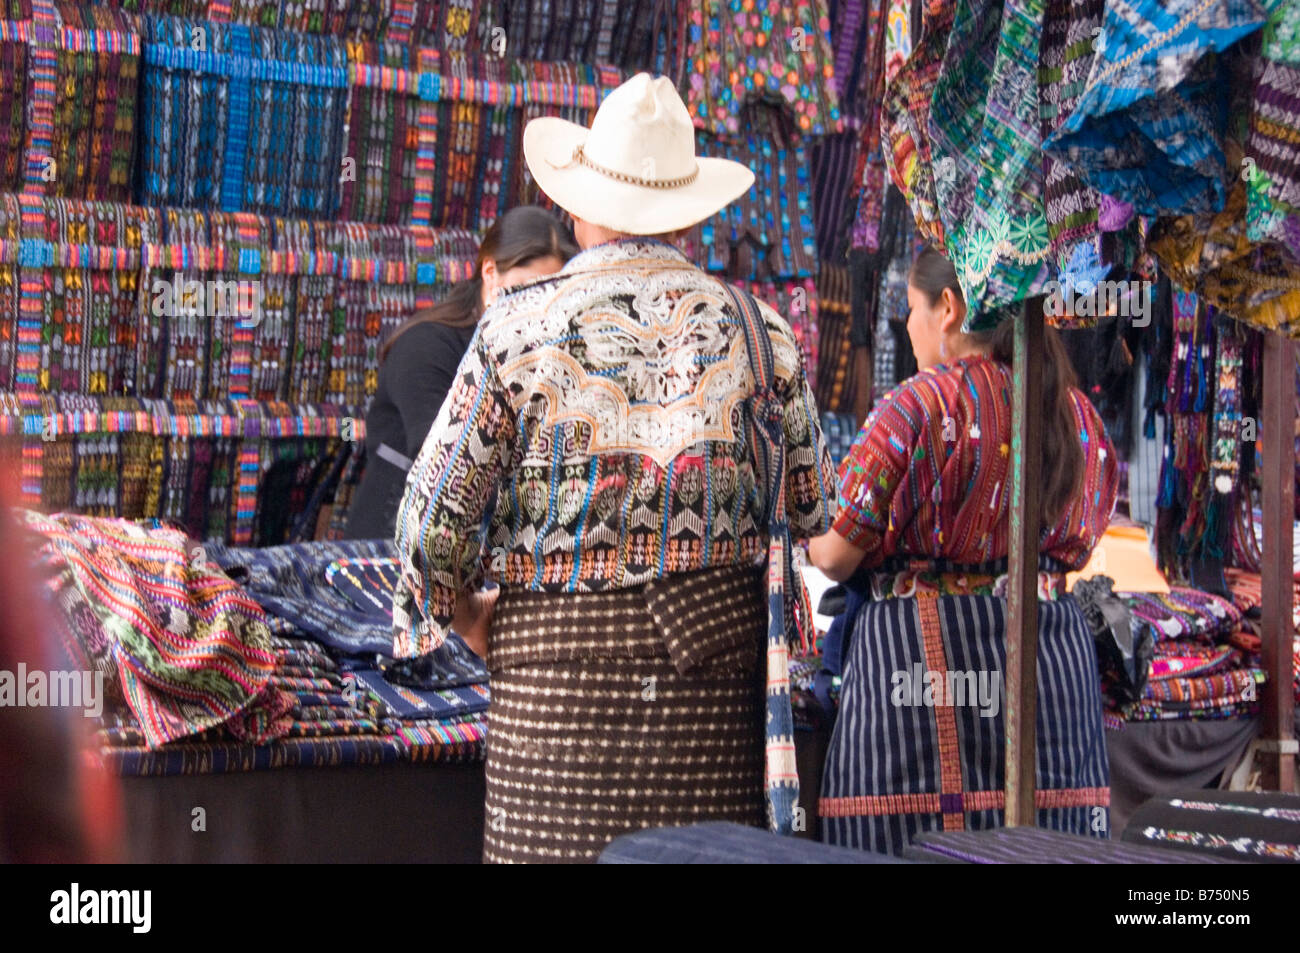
595	438
930	473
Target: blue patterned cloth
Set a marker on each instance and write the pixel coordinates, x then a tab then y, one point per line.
840	431
944	767
291	582
413	704
1149	126
721	842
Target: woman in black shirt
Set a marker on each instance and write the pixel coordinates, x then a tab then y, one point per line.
419	361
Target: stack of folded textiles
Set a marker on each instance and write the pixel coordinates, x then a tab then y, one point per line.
198	678
337	597
1246	589
1197	671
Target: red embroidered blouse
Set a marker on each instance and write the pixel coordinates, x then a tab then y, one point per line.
929	473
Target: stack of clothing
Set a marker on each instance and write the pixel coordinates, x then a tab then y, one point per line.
1246	588
198	678
323	727
339	597
1197	672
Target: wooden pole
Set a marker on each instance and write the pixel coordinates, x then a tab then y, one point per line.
1022	579
1277	431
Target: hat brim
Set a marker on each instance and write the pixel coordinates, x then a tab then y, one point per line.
622	206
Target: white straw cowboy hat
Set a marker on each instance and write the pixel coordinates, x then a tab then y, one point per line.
635	170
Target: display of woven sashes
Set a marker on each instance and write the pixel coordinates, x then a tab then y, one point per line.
190	648
106	299
1148	127
383	134
98	56
240	118
68	85
444	24
14	55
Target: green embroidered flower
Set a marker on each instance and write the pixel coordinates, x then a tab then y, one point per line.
1028	235
979	256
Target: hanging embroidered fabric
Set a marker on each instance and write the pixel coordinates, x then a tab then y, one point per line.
1213	254
1066	55
837	174
1273	197
892	310
1226	438
905	117
861	90
797	301
1183	474
740	50
769	232
1148	128
985	139
1211	251
835	301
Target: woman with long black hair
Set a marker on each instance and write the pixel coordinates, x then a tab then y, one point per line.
921	536
419	361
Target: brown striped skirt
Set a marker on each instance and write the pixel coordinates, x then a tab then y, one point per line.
617	711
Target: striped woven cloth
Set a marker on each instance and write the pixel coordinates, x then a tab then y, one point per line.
241	118
190	649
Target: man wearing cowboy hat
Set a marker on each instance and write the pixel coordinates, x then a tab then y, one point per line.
597	458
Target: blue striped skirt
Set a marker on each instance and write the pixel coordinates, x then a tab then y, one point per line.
919	743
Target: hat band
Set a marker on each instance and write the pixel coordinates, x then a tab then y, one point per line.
633	179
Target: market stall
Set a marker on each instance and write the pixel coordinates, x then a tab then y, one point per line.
213	216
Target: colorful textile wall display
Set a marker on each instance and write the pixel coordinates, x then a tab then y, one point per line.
141	340
336	165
